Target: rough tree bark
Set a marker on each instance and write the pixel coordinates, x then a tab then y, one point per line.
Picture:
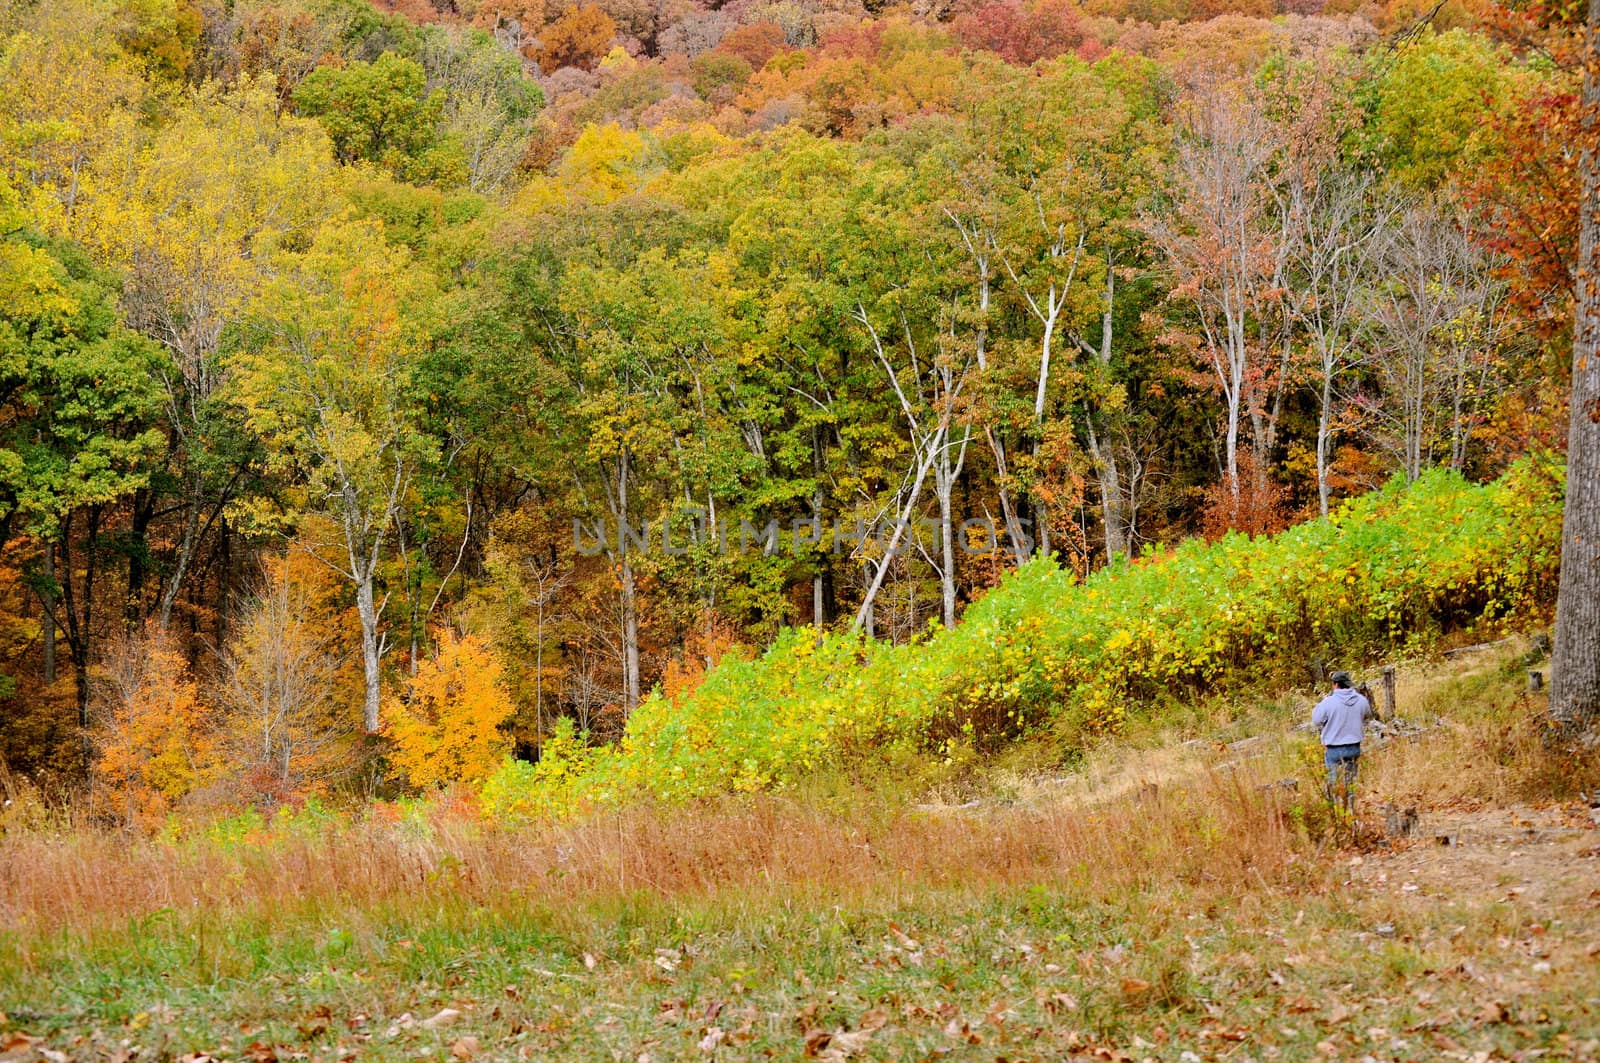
1575	668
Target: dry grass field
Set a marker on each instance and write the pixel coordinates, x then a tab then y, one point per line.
1173	899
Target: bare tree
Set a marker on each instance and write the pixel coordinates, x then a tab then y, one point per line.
1340	240
1438	319
929	388
1213	239
277	693
976	228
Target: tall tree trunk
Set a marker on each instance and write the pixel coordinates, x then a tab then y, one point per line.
1112	516
1324	436
371	648
1458	406
864	616
1575	669
947	570
1115	504
818	591
630	604
224	578
945	476
538	671
47	602
997	445
1231	454
79	618
1008	507
187	545
630	636
144	509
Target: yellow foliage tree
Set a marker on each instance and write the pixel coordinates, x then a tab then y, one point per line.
68	96
154	738
449	728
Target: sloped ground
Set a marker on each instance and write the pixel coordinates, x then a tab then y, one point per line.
1170	902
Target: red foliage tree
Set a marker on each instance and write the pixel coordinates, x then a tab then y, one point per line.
1018	35
1529	193
755	43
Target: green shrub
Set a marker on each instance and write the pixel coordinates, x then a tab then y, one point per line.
1392	568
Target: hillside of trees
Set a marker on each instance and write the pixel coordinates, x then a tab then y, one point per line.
389	388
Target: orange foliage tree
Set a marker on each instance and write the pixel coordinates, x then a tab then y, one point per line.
153	736
755	43
1018	35
580	37
449	726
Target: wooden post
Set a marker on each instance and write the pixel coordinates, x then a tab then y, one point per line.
1388	692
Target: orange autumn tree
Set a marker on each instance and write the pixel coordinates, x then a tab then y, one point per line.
154	740
448	727
580	37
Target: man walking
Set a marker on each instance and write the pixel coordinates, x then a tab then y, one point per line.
1342	715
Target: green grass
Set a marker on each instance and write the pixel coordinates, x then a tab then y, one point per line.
1031	971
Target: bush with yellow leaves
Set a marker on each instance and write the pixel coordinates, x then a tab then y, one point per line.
448	725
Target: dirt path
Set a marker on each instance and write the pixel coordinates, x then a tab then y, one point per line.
1543	864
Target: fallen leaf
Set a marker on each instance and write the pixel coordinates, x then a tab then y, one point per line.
1494	1011
874	1020
906	941
1134	987
843	1045
957	1030
445	1017
713	1038
465	1047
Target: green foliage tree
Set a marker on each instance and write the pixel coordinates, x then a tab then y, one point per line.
1436	108
383	112
81	399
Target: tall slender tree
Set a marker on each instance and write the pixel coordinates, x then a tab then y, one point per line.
327	382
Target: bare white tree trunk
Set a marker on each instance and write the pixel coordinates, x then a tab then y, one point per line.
1213	240
371	651
981	246
929	410
1340	238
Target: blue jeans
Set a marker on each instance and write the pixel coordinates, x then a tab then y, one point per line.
1342	763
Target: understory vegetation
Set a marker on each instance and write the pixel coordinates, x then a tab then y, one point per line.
1388	572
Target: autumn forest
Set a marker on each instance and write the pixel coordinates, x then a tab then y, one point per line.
395	393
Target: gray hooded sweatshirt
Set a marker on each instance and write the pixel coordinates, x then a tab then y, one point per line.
1341	715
